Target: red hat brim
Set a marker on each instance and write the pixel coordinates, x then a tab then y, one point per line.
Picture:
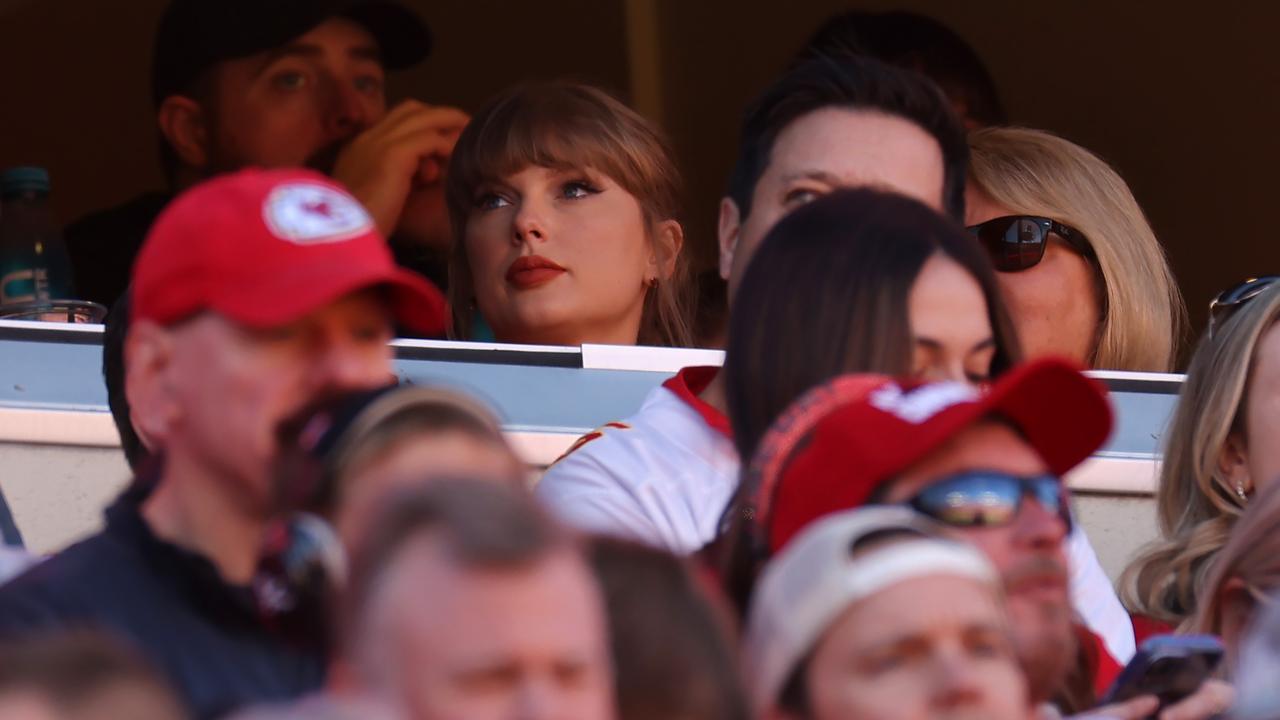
416	303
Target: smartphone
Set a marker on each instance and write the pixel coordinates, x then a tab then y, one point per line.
1171	667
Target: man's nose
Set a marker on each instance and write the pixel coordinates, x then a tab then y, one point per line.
1040	526
537	699
955	682
346	110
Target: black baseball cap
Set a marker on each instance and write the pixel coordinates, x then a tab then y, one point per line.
194	35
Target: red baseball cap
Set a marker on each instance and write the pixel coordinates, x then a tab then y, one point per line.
843	440
266	247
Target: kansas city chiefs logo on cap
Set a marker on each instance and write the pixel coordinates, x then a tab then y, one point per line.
310	213
919	405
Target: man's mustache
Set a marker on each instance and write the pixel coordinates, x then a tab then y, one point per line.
1037	569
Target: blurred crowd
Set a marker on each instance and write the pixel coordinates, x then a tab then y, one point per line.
860	515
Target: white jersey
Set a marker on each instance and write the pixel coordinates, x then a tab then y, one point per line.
665	475
662	476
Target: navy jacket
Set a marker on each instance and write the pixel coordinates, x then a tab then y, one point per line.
173	606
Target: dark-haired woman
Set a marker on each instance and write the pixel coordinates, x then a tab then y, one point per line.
892	288
856	281
563	202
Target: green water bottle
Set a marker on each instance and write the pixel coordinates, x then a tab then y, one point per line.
35	273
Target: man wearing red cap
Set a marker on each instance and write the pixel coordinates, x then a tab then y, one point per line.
986	465
253	294
287	83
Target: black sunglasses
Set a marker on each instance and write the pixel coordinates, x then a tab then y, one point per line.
988	498
1231	299
1017	242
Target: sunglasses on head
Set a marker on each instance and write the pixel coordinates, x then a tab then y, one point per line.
1017	242
987	498
1228	301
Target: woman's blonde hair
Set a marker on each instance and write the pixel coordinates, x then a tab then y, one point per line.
1195	505
570	125
1252	554
1033	172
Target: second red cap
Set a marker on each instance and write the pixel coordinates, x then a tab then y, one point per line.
843	440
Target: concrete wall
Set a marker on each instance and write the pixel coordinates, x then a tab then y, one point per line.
57	494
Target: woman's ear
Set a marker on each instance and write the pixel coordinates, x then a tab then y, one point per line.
1233	466
184	126
668	239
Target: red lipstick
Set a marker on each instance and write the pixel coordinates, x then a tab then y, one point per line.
531	271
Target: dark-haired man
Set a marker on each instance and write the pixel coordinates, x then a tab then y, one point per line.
218	351
286	83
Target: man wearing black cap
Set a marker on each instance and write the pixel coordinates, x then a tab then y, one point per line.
286	83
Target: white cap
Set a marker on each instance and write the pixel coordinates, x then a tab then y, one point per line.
817	576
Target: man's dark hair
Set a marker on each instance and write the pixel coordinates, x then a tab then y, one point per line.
853	83
113	336
827	293
670	643
918	43
484	524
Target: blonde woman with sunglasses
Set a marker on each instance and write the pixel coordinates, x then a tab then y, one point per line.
1079	266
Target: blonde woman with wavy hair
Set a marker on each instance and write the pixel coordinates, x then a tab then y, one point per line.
1220	447
1081	269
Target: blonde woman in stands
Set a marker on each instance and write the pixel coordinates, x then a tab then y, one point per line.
1081	270
1219	451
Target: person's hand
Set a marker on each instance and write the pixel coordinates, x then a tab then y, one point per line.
407	150
1213	698
1137	708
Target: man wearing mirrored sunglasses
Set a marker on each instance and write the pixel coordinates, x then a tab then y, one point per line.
988	466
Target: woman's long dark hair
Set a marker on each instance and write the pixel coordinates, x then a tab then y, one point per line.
827	294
